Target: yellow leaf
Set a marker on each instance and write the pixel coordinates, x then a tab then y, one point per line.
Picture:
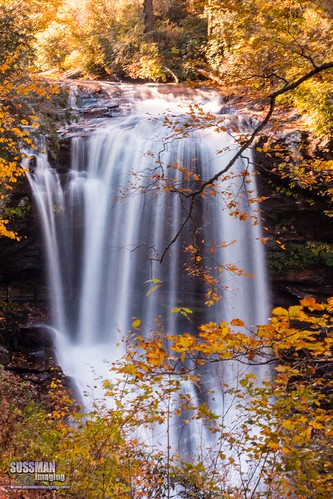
280	311
294	311
311	304
274	446
151	290
237	322
282	369
317	425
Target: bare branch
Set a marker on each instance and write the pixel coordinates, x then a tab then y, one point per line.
248	143
272	101
240	151
174	239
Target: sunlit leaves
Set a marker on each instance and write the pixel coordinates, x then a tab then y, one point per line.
296	329
311	304
19	90
15	55
136	324
103	37
284	426
153	284
237	322
286	421
185	312
265	44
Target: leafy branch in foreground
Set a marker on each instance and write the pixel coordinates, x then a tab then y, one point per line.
244	144
268	438
249	142
282	427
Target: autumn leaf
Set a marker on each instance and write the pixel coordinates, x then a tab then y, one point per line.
136	324
237	322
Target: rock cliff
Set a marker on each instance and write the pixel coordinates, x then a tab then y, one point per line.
299	234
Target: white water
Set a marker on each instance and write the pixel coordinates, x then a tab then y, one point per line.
101	249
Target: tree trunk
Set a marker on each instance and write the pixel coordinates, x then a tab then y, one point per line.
148	11
209	22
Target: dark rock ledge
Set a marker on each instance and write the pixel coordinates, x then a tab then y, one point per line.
30	354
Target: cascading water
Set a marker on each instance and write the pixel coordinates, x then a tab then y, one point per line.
107	221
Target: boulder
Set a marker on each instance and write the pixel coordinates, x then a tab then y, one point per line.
34	338
4	356
35	362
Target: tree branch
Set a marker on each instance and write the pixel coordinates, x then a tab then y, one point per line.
180	230
272	101
240	151
302	79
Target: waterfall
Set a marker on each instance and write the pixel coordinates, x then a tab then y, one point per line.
106	222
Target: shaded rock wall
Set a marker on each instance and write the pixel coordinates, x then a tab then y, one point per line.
28	350
21	262
300	235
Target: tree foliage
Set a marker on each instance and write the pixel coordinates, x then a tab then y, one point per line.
258	43
15	55
268	42
283	427
22	96
263	46
127	38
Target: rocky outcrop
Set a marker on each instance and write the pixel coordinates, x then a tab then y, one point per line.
21	262
30	354
92	105
299	233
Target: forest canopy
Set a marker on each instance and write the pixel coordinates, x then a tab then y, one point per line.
254	48
261	43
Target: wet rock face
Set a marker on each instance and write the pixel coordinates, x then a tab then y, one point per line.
21	262
92	105
29	338
30	348
4	356
289	286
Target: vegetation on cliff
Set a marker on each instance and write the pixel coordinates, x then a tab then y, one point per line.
26	101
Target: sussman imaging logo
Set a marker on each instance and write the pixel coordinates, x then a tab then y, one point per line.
43	471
